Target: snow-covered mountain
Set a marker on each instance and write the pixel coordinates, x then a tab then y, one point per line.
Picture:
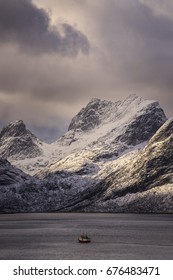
116	156
13	186
138	182
20	192
16	142
103	128
101	122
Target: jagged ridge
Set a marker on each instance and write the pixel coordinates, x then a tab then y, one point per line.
18	142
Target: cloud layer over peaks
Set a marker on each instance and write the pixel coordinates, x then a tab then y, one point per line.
27	26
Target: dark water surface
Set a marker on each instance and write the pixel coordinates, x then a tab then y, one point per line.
114	236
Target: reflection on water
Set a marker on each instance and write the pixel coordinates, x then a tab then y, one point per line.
114	236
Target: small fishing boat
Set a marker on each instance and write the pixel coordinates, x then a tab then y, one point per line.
84	238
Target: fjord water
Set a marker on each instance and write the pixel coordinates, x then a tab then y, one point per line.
114	236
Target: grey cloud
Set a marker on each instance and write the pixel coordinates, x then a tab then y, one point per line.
46	78
139	44
133	53
21	22
137	37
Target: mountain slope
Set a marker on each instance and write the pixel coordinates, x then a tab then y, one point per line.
20	192
10	175
139	182
13	184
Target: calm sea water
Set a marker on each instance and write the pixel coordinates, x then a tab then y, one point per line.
114	236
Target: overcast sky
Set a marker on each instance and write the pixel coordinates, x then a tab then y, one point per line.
56	55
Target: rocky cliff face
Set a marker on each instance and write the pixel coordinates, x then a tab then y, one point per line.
133	111
17	142
131	121
93	114
140	182
10	175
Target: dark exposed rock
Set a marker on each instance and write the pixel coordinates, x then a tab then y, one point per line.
144	184
15	129
10	175
90	116
18	142
144	126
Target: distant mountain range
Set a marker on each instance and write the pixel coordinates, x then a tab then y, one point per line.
115	157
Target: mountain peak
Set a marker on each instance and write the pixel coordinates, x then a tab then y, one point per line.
14	129
91	115
98	111
133	96
17	141
95	100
